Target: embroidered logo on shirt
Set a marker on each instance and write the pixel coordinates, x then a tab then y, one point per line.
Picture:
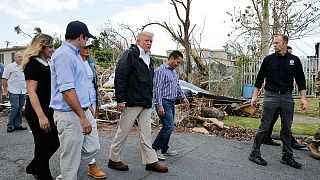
291	62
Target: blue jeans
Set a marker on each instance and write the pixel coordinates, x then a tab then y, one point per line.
17	102
162	139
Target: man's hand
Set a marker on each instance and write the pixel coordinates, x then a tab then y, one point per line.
186	103
254	102
303	103
96	114
86	126
44	124
5	94
121	106
160	110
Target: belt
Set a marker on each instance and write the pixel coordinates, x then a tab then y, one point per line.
86	108
281	92
170	100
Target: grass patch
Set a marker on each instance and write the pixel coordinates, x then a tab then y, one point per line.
313	109
300	128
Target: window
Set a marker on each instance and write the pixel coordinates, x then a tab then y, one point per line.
2	58
12	57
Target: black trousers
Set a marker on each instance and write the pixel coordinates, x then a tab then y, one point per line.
46	144
273	103
269	134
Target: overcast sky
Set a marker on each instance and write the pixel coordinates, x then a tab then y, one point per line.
52	16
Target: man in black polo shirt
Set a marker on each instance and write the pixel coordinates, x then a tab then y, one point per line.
278	70
268	139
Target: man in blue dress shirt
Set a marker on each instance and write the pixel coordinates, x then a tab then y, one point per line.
166	90
70	99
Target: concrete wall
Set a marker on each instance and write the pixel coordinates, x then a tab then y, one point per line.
6	54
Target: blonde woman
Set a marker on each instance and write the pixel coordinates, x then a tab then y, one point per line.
38	113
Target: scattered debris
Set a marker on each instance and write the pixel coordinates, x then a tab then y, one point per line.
206	113
200	130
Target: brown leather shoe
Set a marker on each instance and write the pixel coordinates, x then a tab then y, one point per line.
157	167
120	166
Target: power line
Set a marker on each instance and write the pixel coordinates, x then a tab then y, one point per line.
295	45
306	43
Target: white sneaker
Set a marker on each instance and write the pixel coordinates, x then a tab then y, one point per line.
160	155
170	153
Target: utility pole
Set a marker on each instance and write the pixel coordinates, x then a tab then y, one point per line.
209	79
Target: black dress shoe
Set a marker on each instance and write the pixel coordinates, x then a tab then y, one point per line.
258	160
10	129
20	128
271	143
291	162
298	146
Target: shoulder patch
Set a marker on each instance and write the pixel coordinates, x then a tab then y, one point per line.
291	62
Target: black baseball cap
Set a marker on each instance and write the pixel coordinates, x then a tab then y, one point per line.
78	28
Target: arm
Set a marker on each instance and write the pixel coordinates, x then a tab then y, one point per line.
254	98
261	74
301	83
122	71
5	87
259	81
70	96
158	80
43	120
303	100
183	96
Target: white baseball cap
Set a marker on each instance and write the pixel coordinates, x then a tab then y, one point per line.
88	43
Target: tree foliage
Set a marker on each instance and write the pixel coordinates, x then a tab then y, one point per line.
295	18
111	42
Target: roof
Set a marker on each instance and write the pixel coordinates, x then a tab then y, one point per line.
13	48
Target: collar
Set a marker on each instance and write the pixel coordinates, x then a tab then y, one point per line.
45	63
285	55
15	64
72	47
142	51
168	67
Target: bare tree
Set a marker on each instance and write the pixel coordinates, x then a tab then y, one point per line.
261	20
183	34
118	37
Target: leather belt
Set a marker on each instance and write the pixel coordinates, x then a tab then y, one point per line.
281	92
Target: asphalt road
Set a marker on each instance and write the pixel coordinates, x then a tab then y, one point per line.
200	157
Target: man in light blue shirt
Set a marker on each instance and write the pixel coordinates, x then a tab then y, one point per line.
70	99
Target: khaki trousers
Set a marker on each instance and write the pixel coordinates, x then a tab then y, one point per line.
126	121
77	150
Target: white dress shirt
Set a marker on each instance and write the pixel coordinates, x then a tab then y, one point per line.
16	80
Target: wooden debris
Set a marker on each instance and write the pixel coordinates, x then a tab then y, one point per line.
200	130
210	112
